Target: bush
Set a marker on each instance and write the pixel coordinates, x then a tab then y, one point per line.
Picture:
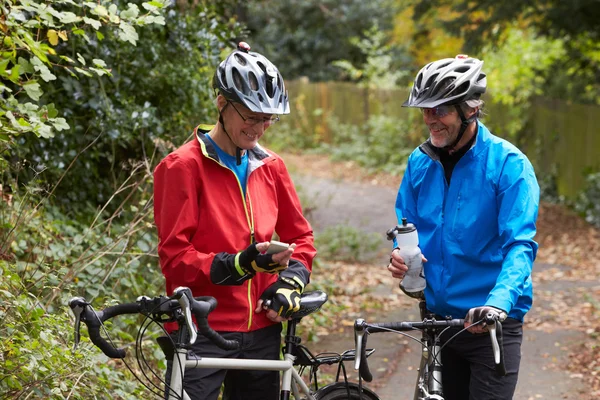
382	144
587	203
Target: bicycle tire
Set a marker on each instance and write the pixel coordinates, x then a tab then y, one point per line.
339	391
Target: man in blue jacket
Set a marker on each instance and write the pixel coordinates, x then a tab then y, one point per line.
473	198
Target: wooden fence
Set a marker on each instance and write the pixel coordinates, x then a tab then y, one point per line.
559	138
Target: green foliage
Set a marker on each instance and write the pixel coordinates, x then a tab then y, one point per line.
157	92
574	23
303	38
34	44
382	144
46	258
588	202
345	243
517	71
378	69
294	134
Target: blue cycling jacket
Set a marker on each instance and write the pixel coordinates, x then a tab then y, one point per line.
476	233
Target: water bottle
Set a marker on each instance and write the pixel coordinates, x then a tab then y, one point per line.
407	238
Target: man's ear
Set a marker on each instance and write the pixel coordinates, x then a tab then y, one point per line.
221	102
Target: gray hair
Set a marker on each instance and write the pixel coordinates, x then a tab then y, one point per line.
469	105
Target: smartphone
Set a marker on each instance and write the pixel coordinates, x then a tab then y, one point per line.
277	247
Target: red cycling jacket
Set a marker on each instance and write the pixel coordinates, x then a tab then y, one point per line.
200	210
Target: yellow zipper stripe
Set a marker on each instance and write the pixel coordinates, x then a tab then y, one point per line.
249	221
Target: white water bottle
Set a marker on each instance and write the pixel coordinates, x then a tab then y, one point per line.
413	283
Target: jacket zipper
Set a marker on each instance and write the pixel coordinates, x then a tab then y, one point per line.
250	221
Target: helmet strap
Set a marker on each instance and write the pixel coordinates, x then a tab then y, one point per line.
238	150
463	126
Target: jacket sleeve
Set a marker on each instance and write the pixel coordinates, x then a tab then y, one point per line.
292	227
406	200
518	200
176	215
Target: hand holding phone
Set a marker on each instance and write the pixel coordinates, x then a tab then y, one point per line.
277	247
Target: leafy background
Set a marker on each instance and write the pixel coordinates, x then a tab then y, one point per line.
93	94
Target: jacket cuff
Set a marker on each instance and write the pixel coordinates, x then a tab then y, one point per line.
296	272
226	270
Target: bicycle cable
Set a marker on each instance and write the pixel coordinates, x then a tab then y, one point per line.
113	344
142	359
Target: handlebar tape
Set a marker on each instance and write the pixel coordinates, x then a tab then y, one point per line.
94	319
201	309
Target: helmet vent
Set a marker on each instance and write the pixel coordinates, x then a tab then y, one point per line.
430	81
253	81
269	86
463	88
462	69
238	82
241	60
445	84
262	66
419	79
260	98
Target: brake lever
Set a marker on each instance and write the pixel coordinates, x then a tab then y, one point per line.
77	305
359	332
184	296
492	330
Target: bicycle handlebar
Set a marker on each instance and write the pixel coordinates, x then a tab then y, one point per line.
362	329
181	304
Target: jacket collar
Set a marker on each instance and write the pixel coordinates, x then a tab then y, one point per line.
257	156
479	144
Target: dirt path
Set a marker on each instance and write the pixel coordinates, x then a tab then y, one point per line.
345	198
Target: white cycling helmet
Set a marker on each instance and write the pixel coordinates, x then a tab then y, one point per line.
448	81
249	78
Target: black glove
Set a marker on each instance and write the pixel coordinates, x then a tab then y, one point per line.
251	261
284	296
234	269
477	314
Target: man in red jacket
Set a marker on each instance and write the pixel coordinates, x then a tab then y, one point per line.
218	200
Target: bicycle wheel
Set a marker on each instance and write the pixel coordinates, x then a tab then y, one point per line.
339	391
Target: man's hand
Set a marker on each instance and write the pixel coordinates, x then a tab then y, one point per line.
252	261
397	266
285	299
477	314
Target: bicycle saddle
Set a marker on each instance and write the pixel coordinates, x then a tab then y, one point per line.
309	303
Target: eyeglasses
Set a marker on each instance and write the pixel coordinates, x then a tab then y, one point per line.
250	121
437	112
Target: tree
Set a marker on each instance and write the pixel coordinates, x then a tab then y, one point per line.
576	76
303	38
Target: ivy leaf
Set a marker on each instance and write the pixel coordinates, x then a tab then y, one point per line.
80	59
63	36
69	17
26	67
93	22
51	110
33	90
52	37
132	12
67	59
99	35
100	11
99	63
83	72
60	124
98	71
128	33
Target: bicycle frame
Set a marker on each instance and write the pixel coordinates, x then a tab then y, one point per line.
429	378
291	380
182	305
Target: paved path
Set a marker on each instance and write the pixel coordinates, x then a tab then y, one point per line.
370	209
